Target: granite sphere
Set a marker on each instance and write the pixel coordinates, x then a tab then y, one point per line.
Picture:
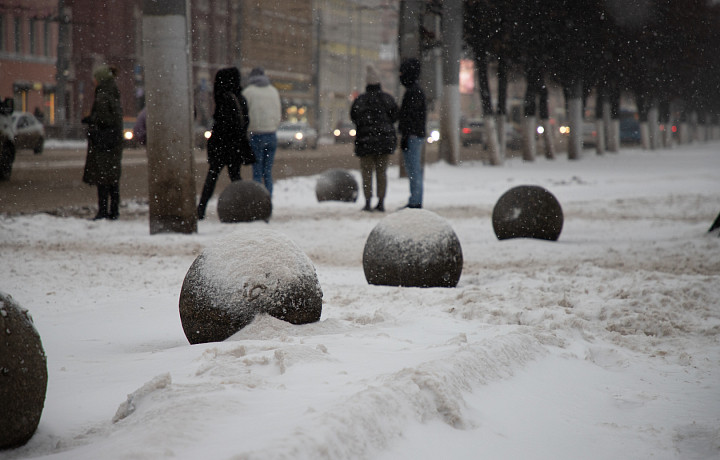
336	185
244	201
414	248
527	211
243	274
23	374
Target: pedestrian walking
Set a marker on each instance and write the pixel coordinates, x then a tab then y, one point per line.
413	114
105	143
374	113
265	113
228	144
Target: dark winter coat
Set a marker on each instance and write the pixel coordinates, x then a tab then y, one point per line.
413	109
228	141
374	114
105	125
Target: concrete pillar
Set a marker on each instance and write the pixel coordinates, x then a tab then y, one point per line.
168	88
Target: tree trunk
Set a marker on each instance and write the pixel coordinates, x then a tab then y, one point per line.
575	118
600	122
450	107
547	135
529	124
643	114
168	86
502	107
488	114
654	126
613	116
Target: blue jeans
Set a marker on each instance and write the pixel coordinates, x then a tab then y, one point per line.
413	165
264	146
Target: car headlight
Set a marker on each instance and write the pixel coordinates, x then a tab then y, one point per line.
336	132
207	134
128	135
299	136
352	132
540	130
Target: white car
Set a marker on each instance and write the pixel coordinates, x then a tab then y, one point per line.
296	135
29	132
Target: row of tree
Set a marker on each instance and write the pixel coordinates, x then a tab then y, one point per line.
665	53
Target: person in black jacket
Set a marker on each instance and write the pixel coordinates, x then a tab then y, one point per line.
103	165
374	113
229	132
413	112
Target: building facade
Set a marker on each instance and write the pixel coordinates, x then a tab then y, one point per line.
28	50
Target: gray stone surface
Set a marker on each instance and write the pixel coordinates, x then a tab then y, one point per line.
336	185
243	274
244	201
23	374
413	247
527	211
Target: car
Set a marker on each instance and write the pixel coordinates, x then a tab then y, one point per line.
629	128
433	132
590	133
130	140
296	135
29	132
472	132
344	132
202	133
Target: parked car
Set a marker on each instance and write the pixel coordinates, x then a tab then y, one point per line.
296	135
589	133
29	132
433	132
472	132
202	133
7	139
629	129
344	132
129	138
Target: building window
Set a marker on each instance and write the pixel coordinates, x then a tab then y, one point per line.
46	38
2	32
33	38
18	35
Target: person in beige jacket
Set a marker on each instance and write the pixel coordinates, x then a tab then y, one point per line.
265	112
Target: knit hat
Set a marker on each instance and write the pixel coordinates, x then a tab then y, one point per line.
257	71
371	75
102	73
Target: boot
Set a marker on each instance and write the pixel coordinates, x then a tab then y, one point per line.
380	206
367	206
102	203
114	203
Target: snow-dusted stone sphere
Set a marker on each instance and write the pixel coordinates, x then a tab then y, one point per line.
336	185
244	201
527	211
245	273
413	247
23	374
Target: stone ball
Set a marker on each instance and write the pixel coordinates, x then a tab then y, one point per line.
413	247
243	274
336	185
244	201
527	211
23	374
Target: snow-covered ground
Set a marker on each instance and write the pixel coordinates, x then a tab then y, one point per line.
602	345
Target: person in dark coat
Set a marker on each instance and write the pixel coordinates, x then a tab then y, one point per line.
229	132
374	113
105	143
413	114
